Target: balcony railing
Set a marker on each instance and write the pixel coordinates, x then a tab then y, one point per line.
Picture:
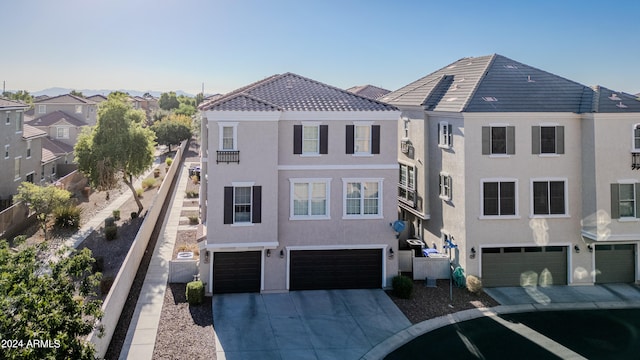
226	156
635	161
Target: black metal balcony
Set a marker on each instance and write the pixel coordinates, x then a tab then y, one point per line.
635	161
227	156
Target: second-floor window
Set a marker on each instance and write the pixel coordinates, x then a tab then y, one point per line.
362	198
547	139
228	136
498	140
498	198
636	137
16	168
407	184
8	121
625	200
242	204
445	186
62	132
549	197
18	121
310	138
362	139
42	109
309	198
28	149
78	109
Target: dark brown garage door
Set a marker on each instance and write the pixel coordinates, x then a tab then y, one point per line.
336	269
509	266
615	263
236	272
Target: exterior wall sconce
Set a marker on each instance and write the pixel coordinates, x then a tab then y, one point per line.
590	248
281	254
268	252
576	248
391	253
473	253
207	255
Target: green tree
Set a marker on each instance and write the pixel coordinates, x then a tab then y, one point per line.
171	132
184	109
168	101
42	200
199	99
20	95
52	302
76	93
117	148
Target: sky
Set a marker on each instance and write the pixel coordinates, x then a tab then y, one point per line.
168	45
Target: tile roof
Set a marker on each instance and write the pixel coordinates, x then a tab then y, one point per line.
292	92
53	149
98	98
6	103
493	83
30	132
609	101
65	99
54	117
369	91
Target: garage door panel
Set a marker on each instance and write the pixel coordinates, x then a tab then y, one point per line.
335	269
505	266
236	272
615	263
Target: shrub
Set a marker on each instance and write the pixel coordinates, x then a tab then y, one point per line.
148	183
134	215
105	284
139	192
168	161
474	284
191	194
156	173
110	221
116	214
67	216
402	286
98	264
195	292
111	232
195	179
193	219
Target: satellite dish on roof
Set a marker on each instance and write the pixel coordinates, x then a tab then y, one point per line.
398	226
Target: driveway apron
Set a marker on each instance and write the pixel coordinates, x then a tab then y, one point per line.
322	324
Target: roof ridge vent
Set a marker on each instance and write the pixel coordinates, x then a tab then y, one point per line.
621	105
510	66
489	99
614	97
529	79
289	84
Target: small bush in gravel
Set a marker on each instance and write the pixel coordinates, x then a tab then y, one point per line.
105	284
67	217
474	284
111	232
195	292
98	265
110	221
193	219
148	183
169	161
139	192
116	214
402	286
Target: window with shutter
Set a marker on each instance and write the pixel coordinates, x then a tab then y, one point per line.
547	140
498	140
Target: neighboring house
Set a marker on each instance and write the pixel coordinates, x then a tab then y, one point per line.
369	91
298	190
97	98
83	109
21	150
56	153
535	177
60	126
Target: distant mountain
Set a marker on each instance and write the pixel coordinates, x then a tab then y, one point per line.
55	91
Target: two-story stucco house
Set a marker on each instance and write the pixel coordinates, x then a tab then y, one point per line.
298	188
530	174
21	146
80	108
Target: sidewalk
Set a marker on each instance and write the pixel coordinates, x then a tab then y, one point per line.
141	335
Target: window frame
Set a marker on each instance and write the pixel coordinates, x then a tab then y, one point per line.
310	182
445	135
78	109
635	139
6	151
42	109
19	122
368	140
8	119
17	168
445	186
410	177
65	132
28	149
308	125
362	215
235	204
549	198
499	181
221	126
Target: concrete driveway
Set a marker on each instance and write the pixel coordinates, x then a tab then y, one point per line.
322	324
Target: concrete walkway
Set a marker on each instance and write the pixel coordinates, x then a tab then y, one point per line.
141	335
523	299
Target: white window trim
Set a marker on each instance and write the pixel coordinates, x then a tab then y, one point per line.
8	118
566	199
380	214
443	135
326	181
19	177
58	133
405	128
78	107
250	186
499	217
221	126
629	218
362	123
6	151
42	109
633	138
317	151
29	149
443	175
414	178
